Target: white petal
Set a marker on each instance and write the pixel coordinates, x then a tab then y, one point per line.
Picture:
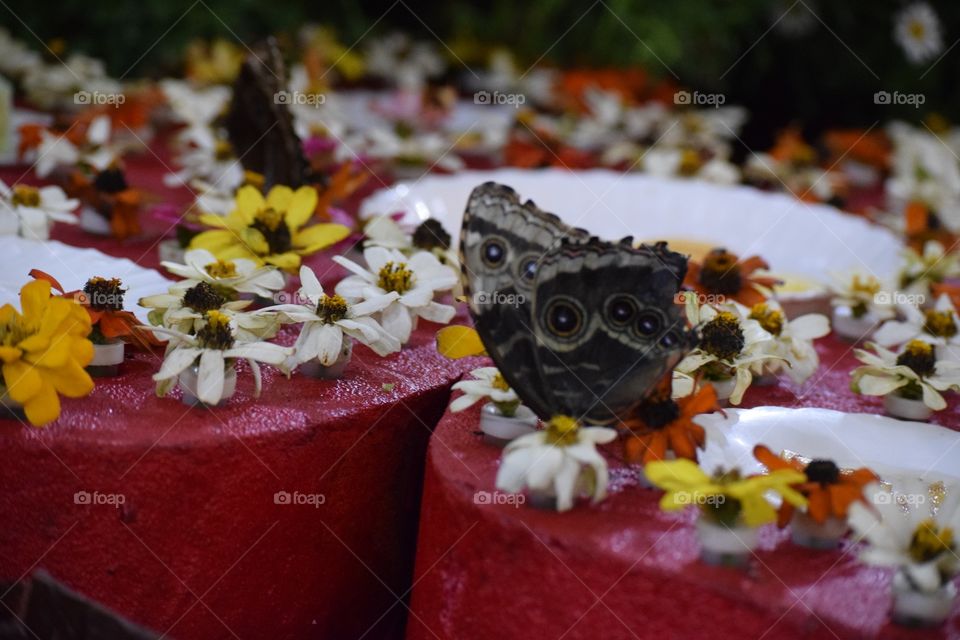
210	377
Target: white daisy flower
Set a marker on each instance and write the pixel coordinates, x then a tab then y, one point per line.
560	460
239	275
906	529
792	340
730	347
184	310
863	294
384	231
917	30
56	150
417	280
487	383
31	211
213	163
924	169
214	345
398	59
196	108
914	373
934	265
938	326
329	320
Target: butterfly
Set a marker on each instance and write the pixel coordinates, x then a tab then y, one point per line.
576	325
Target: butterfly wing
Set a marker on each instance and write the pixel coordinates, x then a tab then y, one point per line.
502	241
607	326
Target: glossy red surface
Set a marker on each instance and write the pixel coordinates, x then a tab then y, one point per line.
623	568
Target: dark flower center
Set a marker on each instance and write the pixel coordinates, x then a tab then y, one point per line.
110	181
332	308
822	471
939	323
720	273
104	294
216	333
431	235
722	337
203	297
272	225
918	355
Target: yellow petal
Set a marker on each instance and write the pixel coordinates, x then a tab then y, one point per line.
72	380
44	407
10	354
288	261
249	202
212	220
312	239
214	241
458	341
302	206
34	298
23	381
676	474
82	351
279	197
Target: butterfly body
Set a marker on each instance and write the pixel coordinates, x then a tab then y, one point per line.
577	326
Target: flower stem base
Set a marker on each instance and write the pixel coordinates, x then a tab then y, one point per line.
315	369
897	406
107	359
724	389
499	429
919	609
852	328
806	532
188	383
726	546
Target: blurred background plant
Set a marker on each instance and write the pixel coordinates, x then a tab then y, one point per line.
811	62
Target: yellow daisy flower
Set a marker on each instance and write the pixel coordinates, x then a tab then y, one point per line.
269	230
44	351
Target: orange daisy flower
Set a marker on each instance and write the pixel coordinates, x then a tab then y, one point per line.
724	275
109	194
103	300
663	424
829	490
921	225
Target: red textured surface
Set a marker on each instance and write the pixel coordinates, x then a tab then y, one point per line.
623	568
200	547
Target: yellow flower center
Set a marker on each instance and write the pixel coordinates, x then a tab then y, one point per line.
930	540
917	30
690	162
770	319
395	277
865	285
722	337
216	333
939	323
26	196
223	151
500	383
332	308
918	355
221	269
562	431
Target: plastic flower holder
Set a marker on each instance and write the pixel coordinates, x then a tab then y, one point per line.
170	250
726	546
92	222
724	389
849	327
107	359
912	608
897	406
188	383
544	499
807	532
499	429
315	369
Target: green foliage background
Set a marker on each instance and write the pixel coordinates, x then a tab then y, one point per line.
825	76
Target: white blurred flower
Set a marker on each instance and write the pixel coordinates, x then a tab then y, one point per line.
938	326
486	383
407	63
863	293
919	271
915	373
905	529
417	280
31	211
791	340
196	108
239	275
917	30
95	150
561	460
